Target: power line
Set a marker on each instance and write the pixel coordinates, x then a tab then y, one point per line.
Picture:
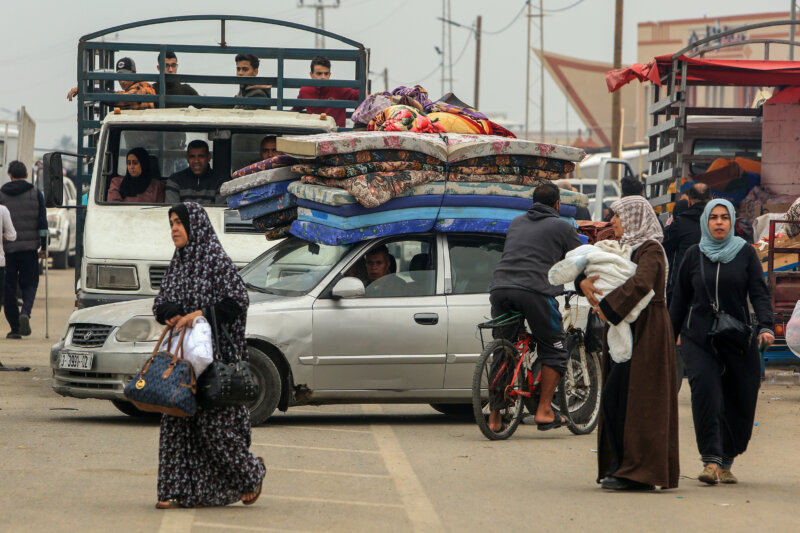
524	5
557	10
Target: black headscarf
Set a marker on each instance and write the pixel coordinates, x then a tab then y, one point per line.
201	275
135	186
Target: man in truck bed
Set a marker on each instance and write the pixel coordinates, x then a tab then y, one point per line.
197	183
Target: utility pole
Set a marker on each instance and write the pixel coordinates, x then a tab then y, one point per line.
616	96
444	29
541	69
528	76
791	30
319	19
450	46
477	61
386	79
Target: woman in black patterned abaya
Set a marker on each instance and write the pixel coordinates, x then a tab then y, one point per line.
204	460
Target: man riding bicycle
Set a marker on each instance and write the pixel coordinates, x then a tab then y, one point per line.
534	243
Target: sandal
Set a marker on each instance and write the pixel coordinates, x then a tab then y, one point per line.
171	503
257	492
557	422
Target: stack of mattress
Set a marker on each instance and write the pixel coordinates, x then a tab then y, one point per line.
363	185
260	192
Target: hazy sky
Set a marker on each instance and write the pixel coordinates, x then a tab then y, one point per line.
39	43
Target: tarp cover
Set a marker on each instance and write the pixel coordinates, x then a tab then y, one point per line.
710	72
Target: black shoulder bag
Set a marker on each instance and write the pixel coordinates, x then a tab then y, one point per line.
725	327
225	384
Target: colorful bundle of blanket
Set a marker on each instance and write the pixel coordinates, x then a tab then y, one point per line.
354	186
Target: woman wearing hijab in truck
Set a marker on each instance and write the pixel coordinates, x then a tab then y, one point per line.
640	396
140	184
724	374
204	460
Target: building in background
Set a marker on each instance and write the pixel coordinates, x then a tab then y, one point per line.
583	82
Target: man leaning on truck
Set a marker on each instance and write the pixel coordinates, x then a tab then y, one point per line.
197	183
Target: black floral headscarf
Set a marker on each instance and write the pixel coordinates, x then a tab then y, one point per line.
201	275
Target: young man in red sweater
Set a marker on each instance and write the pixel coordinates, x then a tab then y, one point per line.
321	70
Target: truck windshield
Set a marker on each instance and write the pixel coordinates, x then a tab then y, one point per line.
724	148
292	268
167	152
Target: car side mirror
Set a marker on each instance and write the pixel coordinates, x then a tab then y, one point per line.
52	180
348	287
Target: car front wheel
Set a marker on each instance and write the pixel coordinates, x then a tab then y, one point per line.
269	386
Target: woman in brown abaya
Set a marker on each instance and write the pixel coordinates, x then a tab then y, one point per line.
638	432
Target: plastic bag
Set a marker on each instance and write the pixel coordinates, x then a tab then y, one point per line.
197	346
793	331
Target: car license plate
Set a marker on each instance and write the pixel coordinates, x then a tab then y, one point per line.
75	360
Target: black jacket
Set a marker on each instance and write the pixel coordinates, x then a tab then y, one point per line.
184	186
682	234
178	89
28	213
534	243
690	309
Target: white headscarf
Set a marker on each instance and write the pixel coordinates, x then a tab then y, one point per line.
639	222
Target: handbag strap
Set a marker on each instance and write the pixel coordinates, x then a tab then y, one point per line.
171	330
713	301
215	328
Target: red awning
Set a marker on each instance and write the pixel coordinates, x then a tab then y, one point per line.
742	72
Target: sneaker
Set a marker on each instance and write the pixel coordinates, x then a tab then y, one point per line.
708	475
726	476
13	335
24	325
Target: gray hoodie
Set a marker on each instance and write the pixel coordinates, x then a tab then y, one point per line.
535	242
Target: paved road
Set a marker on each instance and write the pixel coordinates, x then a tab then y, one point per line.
80	465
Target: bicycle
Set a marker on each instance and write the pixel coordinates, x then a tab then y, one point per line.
577	396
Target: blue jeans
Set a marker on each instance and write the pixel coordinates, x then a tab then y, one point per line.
22	268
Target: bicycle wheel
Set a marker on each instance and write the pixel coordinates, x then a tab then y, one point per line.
483	382
582	385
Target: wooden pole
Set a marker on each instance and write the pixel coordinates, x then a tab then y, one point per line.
528	77
386	79
616	119
477	62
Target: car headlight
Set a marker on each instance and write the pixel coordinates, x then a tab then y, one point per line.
140	329
111	277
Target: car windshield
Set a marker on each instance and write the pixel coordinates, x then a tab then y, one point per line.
292	268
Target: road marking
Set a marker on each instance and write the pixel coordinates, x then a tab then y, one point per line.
227	526
176	521
329	500
322	429
418	506
325	472
317	448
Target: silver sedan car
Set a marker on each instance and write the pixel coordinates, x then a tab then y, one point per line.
323	326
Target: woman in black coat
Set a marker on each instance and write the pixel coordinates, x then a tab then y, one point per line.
724	376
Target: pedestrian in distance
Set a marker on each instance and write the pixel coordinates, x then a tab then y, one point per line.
26	205
9	234
684	232
204	460
638	429
720	274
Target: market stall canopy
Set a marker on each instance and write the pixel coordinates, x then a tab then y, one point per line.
740	72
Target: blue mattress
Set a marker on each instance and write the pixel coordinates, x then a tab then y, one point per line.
256	194
473	225
505	202
352	210
371	219
314	232
492	213
265	207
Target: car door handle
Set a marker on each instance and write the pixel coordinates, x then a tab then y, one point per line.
426	319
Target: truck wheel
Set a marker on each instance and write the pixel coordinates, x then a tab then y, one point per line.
269	386
59	260
129	409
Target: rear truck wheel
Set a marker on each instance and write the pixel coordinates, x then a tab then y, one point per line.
131	410
453	409
269	386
